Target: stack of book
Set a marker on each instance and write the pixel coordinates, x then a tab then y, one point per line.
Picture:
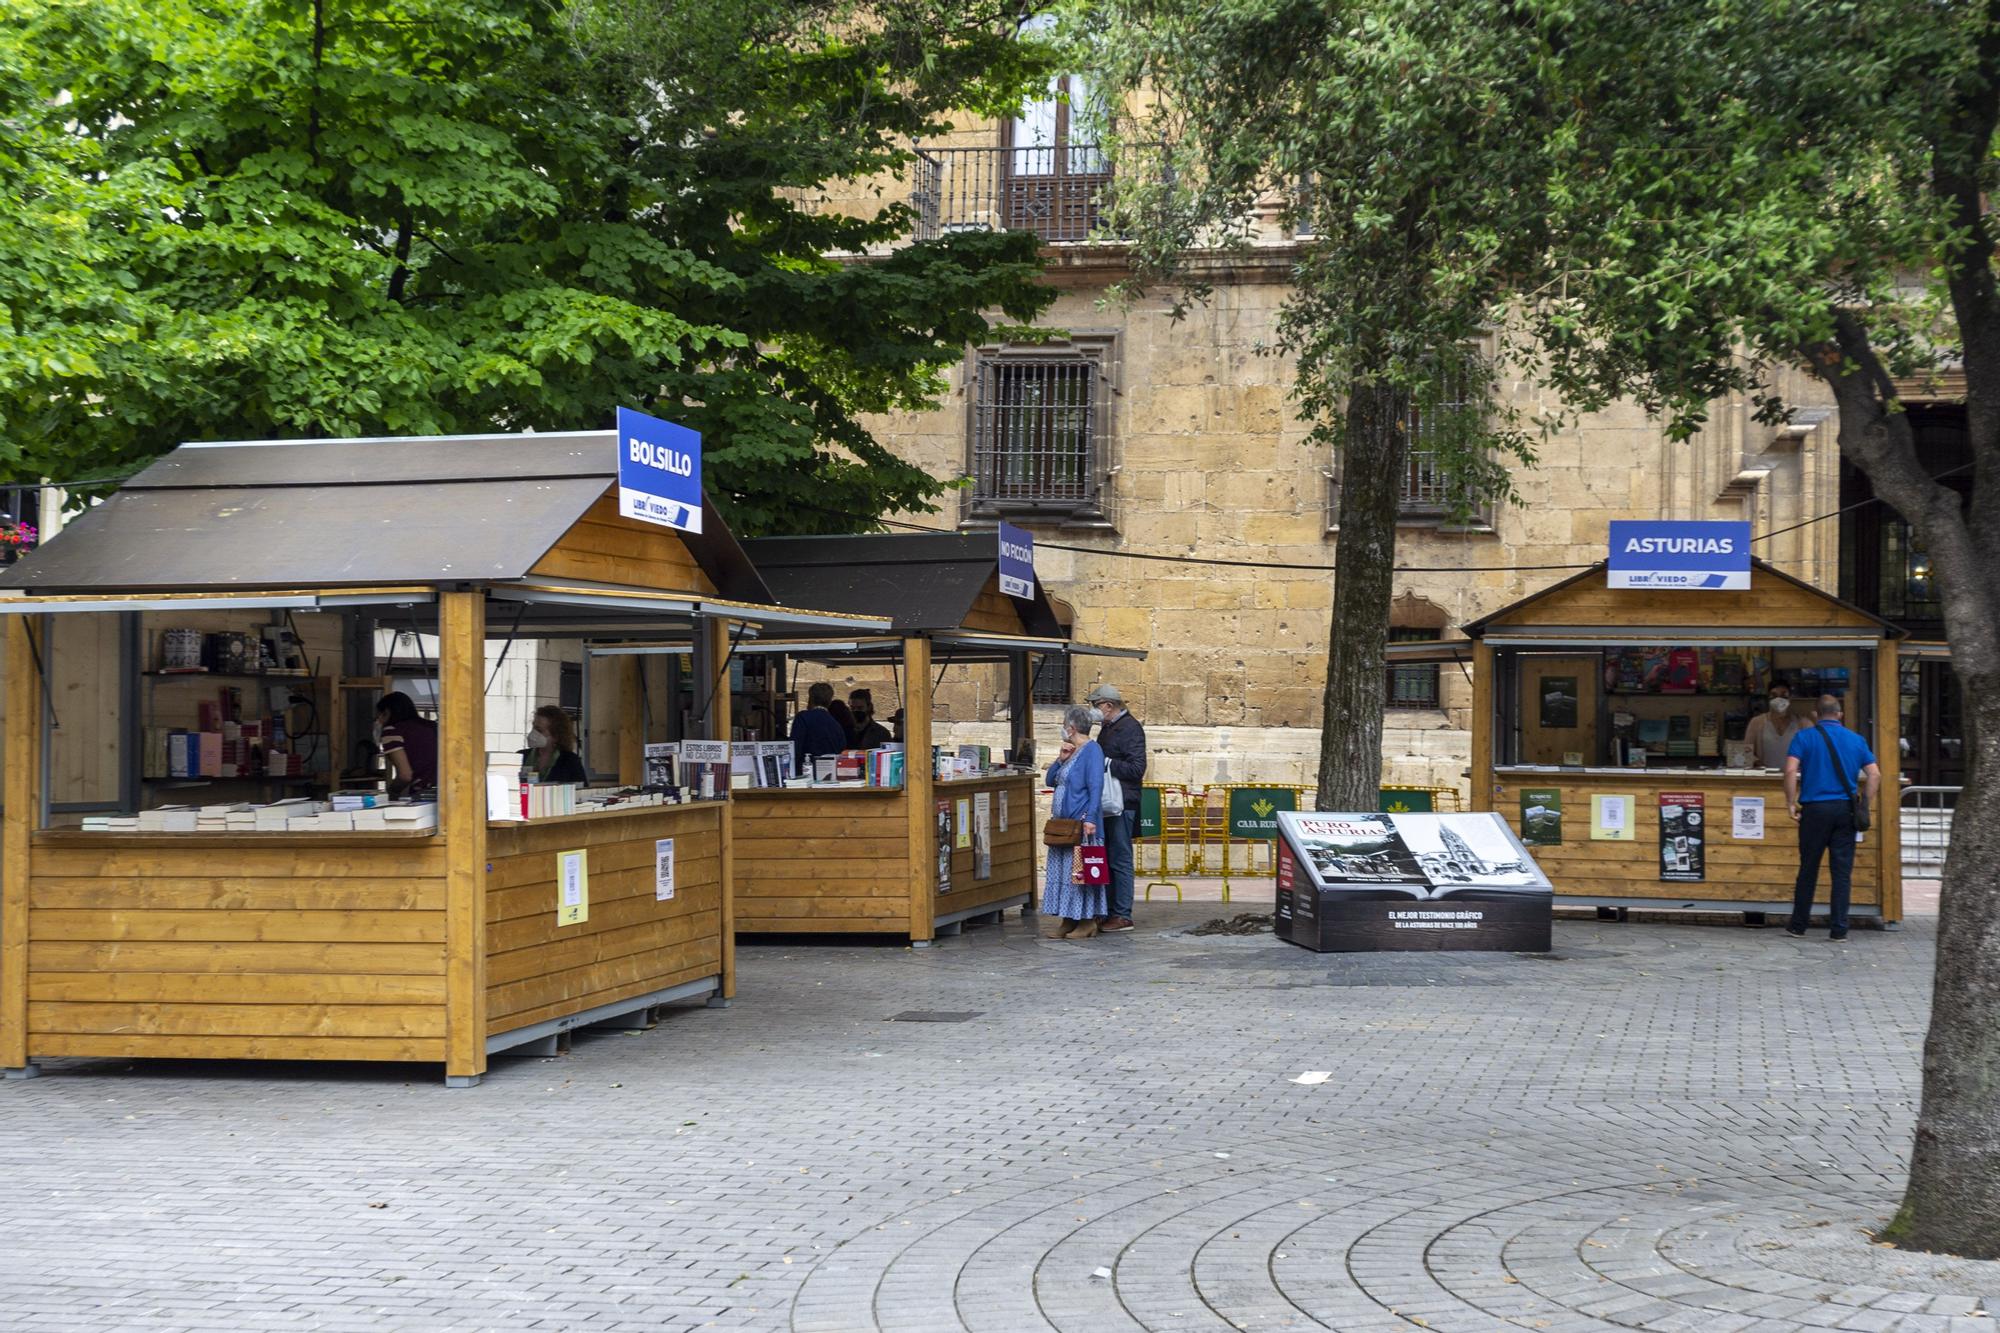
548	799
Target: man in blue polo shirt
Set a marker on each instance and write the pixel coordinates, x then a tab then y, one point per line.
1820	770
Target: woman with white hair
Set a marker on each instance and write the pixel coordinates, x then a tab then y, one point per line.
1077	777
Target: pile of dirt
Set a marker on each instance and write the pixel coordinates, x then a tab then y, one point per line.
1243	923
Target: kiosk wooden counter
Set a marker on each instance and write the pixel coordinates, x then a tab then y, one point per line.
867	860
438	944
1620	703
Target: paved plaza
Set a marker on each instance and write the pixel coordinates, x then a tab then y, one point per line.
1661	1126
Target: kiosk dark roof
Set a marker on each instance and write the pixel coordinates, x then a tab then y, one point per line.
351	513
928	582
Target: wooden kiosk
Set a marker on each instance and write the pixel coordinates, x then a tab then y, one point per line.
436	944
867	860
1580	675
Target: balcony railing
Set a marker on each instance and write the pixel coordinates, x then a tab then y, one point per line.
1051	191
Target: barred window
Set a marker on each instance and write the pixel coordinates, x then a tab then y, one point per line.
1416	685
1038	428
1427	494
1051	685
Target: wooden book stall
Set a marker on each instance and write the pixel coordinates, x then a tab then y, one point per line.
178	876
1609	725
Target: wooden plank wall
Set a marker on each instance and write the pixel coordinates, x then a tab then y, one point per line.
85	684
289	948
827	861
993	612
605	548
632	944
1771	600
1017	863
1737	871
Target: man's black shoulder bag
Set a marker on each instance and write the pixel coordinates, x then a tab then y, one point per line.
1854	796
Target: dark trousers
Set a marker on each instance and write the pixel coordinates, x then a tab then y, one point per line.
1824	827
1118	833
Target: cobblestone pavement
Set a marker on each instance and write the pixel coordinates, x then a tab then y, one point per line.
1667	1127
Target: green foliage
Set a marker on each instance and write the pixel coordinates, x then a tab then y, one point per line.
1388	130
342	217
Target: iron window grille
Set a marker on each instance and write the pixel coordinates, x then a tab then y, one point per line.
1051	683
1428	496
1415	685
1038	432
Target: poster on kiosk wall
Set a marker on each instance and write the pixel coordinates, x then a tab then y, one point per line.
1360	882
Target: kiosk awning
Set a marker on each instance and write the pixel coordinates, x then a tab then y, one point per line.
310	600
609	603
1420	651
1555	637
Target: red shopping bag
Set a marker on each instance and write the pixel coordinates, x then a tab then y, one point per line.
1093	865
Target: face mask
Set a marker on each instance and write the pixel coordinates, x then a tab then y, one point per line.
1778	706
536	739
378	733
860	714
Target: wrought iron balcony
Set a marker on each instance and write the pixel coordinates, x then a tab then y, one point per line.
1051	191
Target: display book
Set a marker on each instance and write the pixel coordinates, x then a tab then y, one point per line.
1415	856
967	761
879	767
223	743
297	815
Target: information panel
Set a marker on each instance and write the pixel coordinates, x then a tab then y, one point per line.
1355	882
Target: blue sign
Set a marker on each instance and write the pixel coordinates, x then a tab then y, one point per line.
659	471
1017	562
1688	556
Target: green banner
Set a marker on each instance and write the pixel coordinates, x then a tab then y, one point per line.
1149	812
1541	816
1253	812
1390	801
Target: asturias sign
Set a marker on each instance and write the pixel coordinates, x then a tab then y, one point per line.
1680	555
1017	562
659	471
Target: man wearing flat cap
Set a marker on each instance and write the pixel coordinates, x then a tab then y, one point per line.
1124	744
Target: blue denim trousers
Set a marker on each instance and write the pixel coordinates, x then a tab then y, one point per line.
1826	828
1119	830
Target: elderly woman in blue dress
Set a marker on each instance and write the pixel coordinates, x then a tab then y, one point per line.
1077	776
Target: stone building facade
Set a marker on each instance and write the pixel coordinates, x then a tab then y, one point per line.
1137	446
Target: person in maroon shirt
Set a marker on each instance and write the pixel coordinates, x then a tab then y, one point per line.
409	741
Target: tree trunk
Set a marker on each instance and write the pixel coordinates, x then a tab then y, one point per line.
1364	556
1952	1204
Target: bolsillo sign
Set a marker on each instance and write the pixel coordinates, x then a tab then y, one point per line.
1681	556
659	471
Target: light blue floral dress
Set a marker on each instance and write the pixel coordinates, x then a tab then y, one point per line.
1079	792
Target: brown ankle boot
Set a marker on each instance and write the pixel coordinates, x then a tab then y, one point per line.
1084	930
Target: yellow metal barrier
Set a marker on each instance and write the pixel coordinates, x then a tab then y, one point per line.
1170	813
1246	812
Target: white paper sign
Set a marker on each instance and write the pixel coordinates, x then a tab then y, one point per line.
705	752
1003	812
1747	818
663	869
572	888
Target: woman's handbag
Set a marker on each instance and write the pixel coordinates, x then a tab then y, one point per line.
1855	800
1093	865
1062	833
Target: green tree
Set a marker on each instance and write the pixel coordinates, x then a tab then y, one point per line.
348	217
1669	200
1736	200
1237	101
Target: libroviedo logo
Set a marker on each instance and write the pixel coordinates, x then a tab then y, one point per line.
1682	556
